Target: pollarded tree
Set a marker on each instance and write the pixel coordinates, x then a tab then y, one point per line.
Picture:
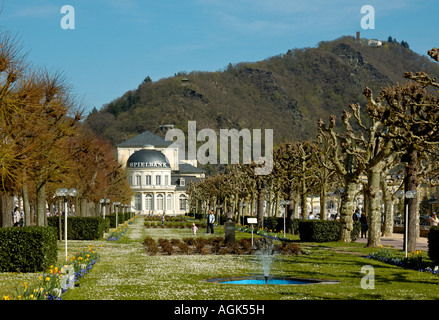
355	154
411	112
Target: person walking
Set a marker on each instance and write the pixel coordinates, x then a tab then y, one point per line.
210	221
194	229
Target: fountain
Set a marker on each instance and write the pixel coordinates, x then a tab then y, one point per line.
266	255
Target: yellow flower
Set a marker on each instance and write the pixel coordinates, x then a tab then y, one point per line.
6	298
47	279
31	296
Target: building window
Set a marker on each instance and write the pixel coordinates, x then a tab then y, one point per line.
169	202
158	180
148	201
130	180
182	182
166	180
182	202
138	201
138	180
148	180
159	202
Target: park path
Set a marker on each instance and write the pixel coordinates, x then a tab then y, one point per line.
397	240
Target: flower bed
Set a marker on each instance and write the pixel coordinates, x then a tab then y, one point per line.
58	279
120	230
215	245
415	260
268	233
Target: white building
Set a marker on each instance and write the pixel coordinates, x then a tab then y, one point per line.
156	176
374	43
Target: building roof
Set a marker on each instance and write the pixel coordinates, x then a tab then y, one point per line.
187	168
147	158
175	180
144	139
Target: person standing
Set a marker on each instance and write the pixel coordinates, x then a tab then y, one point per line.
16	217
210	222
363	221
434	220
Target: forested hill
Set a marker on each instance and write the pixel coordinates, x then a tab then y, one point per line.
287	93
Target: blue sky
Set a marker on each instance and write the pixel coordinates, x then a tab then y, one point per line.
117	43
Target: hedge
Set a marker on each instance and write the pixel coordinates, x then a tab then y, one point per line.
433	244
81	228
324	231
27	249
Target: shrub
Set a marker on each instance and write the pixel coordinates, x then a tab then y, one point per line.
323	231
80	228
183	246
246	244
189	241
200	243
288	248
168	247
433	244
319	231
27	249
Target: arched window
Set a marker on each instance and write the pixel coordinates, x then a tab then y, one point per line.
148	201
169	202
182	199
159	202
138	201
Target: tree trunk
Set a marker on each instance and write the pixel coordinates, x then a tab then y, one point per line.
347	210
260	215
374	208
411	182
41	204
291	211
26	205
303	203
388	207
276	205
6	207
323	195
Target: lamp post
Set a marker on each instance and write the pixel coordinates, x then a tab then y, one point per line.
102	201
116	205
63	192
410	194
285	203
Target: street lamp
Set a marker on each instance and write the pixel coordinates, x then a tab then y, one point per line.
285	203
410	194
63	192
102	201
116	204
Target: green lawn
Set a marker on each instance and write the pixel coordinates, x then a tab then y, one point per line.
125	271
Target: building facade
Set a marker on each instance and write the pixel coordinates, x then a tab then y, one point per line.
156	176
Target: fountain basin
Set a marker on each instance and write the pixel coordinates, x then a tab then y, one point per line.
262	280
